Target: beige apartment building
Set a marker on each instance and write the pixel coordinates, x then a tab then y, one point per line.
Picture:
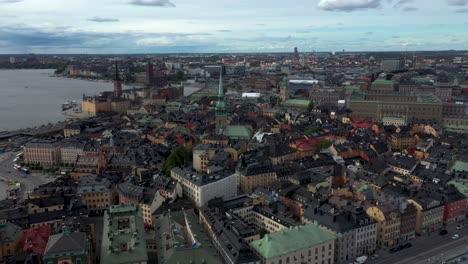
43	152
388	224
98	193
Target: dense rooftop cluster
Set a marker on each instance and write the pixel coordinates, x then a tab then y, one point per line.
299	170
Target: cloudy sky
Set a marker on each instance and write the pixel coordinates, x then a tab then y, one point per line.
168	26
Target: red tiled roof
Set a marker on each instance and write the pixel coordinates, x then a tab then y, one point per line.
305	144
362	124
286	127
35	239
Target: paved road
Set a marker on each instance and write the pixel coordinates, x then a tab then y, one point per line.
28	181
428	249
98	222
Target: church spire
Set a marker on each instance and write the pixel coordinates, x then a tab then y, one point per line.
117	82
221	105
117	76
221	113
220	87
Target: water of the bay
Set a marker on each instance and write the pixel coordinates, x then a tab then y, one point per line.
31	98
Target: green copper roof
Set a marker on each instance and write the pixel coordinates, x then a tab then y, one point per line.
357	95
458	129
123	236
182	130
123	209
429	98
9	232
297	102
291	240
422	80
237	132
393	118
461	185
351	88
384	82
460	166
221	104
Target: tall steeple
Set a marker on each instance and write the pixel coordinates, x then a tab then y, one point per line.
117	82
221	113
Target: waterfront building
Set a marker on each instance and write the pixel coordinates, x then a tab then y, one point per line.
123	236
43	152
296	245
69	152
73	129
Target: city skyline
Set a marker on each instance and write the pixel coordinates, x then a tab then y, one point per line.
205	26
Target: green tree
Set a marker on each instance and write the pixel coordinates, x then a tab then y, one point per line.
310	106
262	232
179	156
322	144
312	130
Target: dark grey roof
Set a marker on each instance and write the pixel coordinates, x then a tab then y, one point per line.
66	243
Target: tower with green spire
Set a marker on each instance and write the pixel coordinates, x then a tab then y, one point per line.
221	113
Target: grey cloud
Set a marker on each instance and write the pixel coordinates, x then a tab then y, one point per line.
25	39
160	3
103	19
261	25
224	30
369	33
348	5
401	3
457	2
10	1
395	37
409	8
462	11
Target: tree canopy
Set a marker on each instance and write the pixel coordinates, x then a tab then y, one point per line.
179	156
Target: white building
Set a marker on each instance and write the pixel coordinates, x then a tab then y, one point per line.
201	188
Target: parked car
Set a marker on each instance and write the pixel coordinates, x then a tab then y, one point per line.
407	245
459	227
456	236
395	249
443	232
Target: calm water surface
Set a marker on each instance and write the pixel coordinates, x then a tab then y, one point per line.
32	97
